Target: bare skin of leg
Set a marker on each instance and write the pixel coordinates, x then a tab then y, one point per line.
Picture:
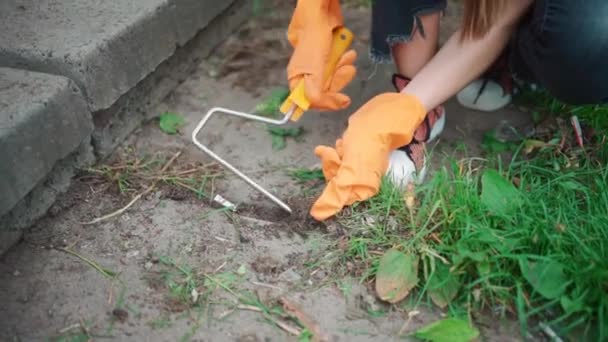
412	56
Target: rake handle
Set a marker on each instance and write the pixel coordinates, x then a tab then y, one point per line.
342	38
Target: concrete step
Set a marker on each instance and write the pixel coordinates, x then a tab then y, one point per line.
106	47
43	118
77	76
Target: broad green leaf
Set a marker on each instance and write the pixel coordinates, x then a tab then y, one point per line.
170	123
546	277
447	330
397	275
498	194
570	306
443	286
285	132
279	134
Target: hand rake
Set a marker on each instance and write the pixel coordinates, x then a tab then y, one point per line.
292	109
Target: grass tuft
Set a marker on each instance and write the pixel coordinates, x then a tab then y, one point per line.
539	254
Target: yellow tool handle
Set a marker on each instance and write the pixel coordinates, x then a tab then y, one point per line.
342	38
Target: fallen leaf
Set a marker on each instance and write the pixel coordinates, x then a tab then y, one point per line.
447	330
546	277
241	270
443	286
531	144
170	123
397	275
194	295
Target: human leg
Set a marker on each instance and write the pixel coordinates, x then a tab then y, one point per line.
563	47
408	31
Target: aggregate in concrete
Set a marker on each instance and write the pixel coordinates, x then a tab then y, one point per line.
43	118
107	47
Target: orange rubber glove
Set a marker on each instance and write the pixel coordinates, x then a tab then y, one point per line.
310	35
355	167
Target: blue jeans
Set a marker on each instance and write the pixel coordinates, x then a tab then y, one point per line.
562	45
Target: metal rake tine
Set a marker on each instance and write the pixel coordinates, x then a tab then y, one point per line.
229	166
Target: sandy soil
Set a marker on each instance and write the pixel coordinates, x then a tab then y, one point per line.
49	293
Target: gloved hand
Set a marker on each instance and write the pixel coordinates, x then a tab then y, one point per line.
310	34
354	168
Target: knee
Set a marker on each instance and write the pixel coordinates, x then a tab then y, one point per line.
571	42
568	29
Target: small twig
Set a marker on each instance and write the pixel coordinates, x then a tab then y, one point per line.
84	328
549	332
105	272
136	198
221	239
280	324
110	294
220	267
69	327
249	308
287	327
410	315
266	285
225	313
434	254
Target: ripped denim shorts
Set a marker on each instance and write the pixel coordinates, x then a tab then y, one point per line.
395	21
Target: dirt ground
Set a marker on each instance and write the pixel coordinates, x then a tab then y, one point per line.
49	293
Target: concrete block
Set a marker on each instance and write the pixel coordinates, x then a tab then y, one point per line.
43	118
114	124
43	195
106	47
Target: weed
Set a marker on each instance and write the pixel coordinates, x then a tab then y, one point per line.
270	106
170	123
307	178
528	240
305	336
279	135
132	174
306	175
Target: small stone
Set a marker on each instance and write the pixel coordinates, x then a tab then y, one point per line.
16	273
132	254
213	73
148	265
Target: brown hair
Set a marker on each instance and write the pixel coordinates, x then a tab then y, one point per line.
479	16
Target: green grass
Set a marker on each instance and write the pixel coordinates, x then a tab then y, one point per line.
182	281
540	255
542	103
